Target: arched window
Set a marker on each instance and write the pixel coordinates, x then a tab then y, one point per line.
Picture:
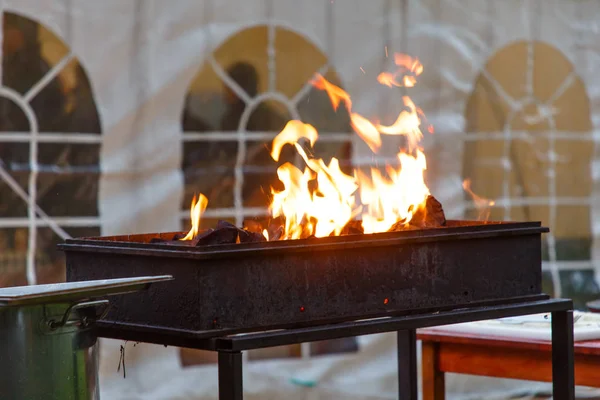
529	147
49	152
251	85
242	97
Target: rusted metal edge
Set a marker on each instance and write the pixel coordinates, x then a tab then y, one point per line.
202	339
302	245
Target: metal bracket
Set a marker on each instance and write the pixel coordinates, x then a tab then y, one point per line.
101	307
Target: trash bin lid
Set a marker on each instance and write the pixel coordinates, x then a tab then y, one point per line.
74	291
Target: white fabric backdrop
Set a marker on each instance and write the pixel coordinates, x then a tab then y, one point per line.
141	56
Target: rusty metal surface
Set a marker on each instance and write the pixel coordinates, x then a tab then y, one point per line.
258	286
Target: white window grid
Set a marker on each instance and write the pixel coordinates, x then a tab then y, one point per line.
507	135
36	217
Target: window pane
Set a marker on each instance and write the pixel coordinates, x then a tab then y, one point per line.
50	262
13	256
15	159
68	179
65	102
12	117
580	286
208	168
22	61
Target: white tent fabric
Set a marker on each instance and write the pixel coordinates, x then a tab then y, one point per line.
141	57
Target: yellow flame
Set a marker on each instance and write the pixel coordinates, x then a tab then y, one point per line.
336	94
395	198
407	124
196	212
291	133
321	199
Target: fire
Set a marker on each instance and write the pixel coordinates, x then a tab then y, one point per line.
196	212
319	212
393	199
320	200
409	69
482	205
326	208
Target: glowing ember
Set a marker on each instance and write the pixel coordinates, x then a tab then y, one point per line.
321	200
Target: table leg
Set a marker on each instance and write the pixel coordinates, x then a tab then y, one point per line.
407	365
230	376
433	382
563	374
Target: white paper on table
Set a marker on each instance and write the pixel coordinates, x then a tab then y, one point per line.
535	327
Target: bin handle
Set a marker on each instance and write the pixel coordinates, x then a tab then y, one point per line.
101	307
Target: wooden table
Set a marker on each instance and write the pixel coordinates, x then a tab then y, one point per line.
502	357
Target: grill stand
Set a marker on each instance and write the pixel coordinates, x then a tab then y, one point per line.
230	348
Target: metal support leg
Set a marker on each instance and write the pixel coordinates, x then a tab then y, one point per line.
407	365
230	376
563	368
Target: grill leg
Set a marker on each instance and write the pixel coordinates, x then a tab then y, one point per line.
563	374
230	376
407	365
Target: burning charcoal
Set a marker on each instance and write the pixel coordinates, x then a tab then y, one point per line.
253	226
224	224
201	235
275	232
251	237
157	240
430	216
225	235
179	236
353	228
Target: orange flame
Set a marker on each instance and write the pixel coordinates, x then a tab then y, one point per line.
196	212
409	69
393	199
320	200
407	124
318	212
482	205
335	93
384	200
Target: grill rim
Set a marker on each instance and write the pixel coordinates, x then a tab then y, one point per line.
461	230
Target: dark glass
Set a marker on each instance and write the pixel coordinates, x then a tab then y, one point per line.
577	249
13	256
50	262
580	286
68	179
14	159
208	168
66	103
